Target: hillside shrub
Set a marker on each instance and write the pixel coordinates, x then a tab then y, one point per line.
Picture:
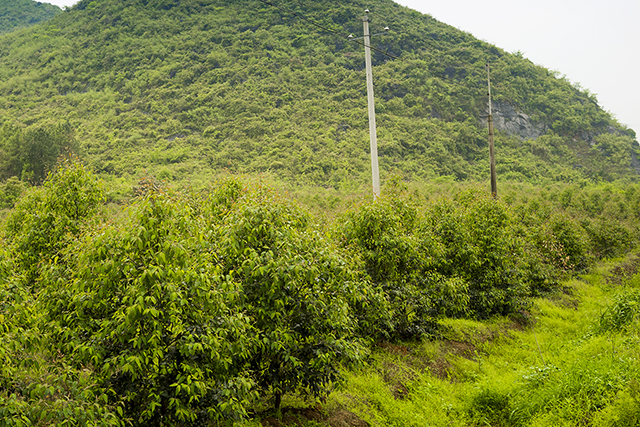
311	308
31	154
50	217
10	191
608	238
147	304
398	259
482	249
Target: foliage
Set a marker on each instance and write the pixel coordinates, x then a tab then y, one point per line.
481	248
621	314
10	190
148	305
458	256
182	88
402	262
308	303
554	372
181	312
199	307
32	153
37	384
15	14
50	217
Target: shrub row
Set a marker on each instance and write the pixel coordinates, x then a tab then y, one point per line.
191	308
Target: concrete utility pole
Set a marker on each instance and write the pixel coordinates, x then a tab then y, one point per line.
492	156
373	137
375	174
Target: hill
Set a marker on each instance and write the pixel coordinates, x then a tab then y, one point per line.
183	89
16	14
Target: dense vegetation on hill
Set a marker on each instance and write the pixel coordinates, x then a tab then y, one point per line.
180	89
199	308
16	14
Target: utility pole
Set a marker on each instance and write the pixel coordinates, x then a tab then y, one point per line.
373	137
492	156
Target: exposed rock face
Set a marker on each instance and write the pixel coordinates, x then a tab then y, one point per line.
635	163
507	119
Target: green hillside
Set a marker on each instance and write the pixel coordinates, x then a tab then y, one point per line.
182	89
16	14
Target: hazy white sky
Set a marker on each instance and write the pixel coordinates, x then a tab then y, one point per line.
61	2
595	43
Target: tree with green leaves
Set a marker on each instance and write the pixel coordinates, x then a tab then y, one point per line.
312	310
50	217
148	305
30	154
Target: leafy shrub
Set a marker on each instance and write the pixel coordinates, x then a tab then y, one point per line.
398	258
481	248
31	154
148	306
572	242
308	304
38	385
608	237
10	190
555	245
48	218
37	389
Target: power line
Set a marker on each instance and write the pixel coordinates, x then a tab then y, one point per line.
312	22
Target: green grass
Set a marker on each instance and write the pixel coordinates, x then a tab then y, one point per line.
556	371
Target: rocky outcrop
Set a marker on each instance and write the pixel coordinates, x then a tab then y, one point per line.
635	163
508	119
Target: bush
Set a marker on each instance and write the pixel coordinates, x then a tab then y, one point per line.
308	304
50	217
148	306
10	191
481	248
608	237
399	259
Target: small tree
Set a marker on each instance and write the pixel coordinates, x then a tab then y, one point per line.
306	303
48	218
149	307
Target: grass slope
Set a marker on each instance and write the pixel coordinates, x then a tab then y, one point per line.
562	370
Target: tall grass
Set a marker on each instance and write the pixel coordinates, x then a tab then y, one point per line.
576	364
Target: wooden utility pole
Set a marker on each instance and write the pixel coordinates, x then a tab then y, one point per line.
373	137
492	155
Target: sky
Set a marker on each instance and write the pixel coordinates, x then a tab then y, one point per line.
594	43
62	3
